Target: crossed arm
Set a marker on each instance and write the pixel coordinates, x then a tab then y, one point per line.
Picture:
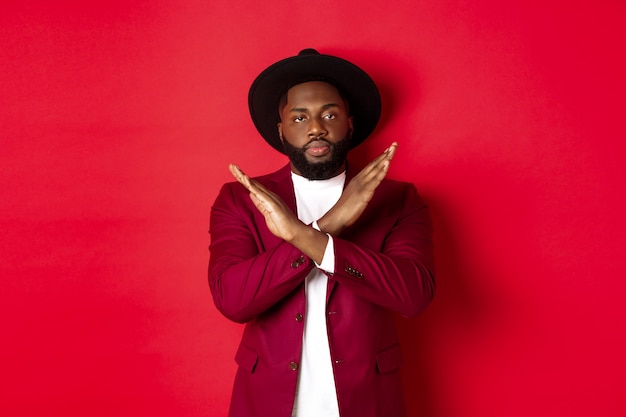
284	224
246	281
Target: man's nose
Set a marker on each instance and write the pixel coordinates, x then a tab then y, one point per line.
316	128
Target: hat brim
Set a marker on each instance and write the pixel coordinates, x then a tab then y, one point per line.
361	92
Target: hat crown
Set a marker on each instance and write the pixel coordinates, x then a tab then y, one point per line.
308	51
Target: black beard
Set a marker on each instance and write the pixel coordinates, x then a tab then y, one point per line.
319	170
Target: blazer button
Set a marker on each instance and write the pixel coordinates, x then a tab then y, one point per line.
293	366
355	273
298	261
299	317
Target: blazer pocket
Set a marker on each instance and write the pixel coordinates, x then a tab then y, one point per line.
246	358
390	359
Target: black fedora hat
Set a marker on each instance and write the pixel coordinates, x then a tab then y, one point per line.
309	65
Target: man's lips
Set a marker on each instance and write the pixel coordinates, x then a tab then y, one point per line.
318	147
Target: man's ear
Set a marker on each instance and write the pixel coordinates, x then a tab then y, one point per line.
280	131
350	127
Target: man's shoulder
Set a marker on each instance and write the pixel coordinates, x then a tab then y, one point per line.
396	185
392	191
277	177
280	175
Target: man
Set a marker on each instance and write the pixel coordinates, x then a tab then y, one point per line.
315	258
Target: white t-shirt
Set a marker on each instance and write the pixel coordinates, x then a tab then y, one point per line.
316	395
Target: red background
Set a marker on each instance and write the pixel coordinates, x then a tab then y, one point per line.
117	123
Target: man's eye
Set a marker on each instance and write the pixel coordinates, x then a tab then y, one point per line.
298	119
329	116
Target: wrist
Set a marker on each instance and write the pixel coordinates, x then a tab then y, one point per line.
330	223
312	243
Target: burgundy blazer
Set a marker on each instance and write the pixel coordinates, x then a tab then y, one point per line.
383	264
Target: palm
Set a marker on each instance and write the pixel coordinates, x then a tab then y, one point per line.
357	194
280	220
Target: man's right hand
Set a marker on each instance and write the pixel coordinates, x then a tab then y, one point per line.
357	194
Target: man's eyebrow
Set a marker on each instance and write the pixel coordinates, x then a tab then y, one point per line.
305	109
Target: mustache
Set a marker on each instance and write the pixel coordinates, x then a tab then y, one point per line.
309	143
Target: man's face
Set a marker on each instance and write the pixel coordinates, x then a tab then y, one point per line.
315	129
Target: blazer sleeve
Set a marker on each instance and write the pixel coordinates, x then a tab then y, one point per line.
250	270
387	257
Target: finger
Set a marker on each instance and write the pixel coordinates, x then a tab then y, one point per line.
391	151
373	165
376	175
387	155
380	164
257	190
237	172
258	203
241	176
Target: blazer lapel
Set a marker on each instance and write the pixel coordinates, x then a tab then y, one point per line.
281	184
